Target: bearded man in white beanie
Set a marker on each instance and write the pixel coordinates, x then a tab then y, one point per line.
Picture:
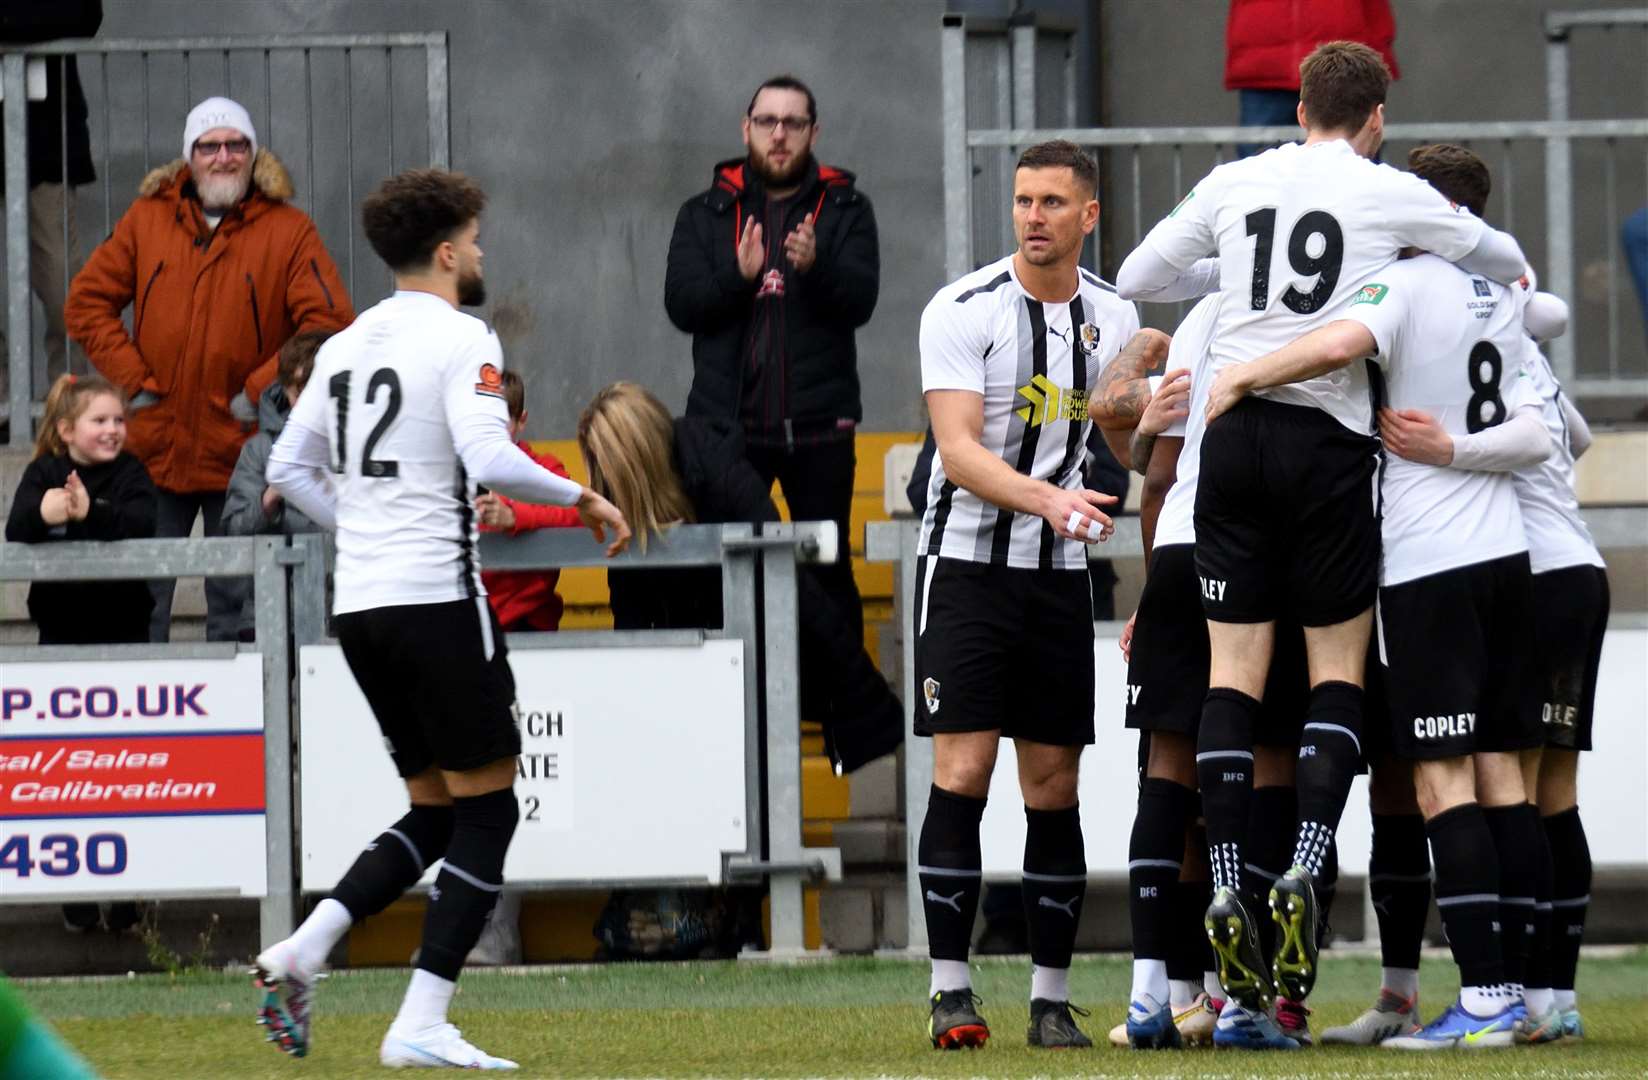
219	270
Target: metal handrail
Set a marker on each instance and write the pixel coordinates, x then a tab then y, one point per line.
1226	133
753	565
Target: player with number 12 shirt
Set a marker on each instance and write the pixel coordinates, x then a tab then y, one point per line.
403	417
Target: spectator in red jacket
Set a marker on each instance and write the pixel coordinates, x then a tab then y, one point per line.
1266	40
523	599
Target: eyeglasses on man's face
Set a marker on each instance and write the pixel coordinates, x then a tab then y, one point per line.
209	148
767	123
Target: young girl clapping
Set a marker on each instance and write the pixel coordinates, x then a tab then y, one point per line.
83	485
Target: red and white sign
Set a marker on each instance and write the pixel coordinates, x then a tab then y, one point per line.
132	778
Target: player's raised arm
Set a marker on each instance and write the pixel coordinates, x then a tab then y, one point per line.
1314	354
1177	260
479	422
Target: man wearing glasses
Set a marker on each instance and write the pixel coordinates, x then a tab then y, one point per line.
219	269
771	271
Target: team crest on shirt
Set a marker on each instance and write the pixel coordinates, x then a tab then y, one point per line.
1371	293
929	691
1089	338
492	381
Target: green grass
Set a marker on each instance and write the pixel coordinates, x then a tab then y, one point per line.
844	1017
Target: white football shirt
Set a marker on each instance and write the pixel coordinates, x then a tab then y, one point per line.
1192	348
1035	364
1557	535
386	395
1297	230
1451	345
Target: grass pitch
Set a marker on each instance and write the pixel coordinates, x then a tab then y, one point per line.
842	1017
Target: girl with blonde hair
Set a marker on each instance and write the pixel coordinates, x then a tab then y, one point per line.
662	472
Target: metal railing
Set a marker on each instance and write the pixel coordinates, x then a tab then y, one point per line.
289	576
280	79
1145	171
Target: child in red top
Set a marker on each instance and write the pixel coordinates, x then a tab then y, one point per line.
523	599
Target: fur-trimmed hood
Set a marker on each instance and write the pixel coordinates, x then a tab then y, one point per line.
269	176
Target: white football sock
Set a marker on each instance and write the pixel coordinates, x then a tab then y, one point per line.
320	931
424	1006
949	975
1051	984
1150	980
1403	981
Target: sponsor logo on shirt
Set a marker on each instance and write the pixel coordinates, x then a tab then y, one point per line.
491	381
1050	404
1481	287
1371	293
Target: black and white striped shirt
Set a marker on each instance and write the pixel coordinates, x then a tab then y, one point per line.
1035	364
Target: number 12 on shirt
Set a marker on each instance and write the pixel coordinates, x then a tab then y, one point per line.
338	385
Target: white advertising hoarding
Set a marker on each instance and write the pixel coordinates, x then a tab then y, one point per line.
132	777
632	764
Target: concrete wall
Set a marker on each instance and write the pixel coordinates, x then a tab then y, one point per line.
589	122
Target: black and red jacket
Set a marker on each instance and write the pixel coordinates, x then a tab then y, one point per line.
708	298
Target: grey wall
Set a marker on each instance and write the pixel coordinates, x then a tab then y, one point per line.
1461	60
589	122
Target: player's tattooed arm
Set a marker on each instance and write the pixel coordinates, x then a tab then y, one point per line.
1123	391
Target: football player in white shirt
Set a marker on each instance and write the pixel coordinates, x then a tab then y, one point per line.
1454	598
1284	516
1009	355
1570	593
1167	678
406	414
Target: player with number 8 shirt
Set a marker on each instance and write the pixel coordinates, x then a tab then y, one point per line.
1285	519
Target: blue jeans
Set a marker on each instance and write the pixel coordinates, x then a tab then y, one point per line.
1266	108
1633	235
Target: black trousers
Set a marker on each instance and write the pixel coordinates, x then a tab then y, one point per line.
817	481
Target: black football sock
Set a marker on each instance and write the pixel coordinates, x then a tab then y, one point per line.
950	867
1538	972
1154	857
1570	893
1330	752
1272	821
395	861
1399	880
1224	770
1055	882
1512	831
1467	892
469	882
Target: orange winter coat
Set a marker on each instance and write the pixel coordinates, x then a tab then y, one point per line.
210	311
